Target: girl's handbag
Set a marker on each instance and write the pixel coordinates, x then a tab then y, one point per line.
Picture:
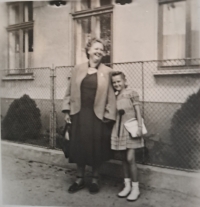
132	127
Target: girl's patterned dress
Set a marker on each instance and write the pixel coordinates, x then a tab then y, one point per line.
126	101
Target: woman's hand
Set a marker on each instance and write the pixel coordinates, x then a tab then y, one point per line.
67	118
105	120
108	121
139	132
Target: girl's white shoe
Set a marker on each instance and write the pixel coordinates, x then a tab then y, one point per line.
135	192
127	189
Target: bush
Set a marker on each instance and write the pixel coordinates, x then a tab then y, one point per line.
185	133
22	120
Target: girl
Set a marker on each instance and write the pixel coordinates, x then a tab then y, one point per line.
128	105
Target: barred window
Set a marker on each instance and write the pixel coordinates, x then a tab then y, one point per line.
20	34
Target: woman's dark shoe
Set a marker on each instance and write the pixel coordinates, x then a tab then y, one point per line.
94	188
76	187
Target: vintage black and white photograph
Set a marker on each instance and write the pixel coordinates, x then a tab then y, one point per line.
100	103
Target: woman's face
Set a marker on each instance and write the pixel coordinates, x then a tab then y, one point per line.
96	52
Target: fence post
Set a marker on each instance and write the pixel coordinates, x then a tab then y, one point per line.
143	149
52	138
143	89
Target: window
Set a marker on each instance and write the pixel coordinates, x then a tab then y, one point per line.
20	34
92	19
178	29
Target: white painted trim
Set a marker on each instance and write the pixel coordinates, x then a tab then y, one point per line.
177	72
18	77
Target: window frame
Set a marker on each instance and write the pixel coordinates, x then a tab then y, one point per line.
21	27
188	48
91	12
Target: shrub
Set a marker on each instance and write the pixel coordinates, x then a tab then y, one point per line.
22	120
185	133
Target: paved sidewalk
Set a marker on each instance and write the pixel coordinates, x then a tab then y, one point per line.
32	183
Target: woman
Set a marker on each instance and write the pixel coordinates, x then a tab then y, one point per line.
90	103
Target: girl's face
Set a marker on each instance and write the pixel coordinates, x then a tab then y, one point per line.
118	82
96	52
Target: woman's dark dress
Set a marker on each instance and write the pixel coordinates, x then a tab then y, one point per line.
90	137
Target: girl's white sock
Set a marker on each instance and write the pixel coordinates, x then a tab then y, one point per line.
127	180
127	188
135	184
135	192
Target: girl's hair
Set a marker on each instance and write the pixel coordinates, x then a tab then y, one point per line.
115	73
91	42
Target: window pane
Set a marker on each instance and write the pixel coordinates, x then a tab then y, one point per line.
99	3
90	4
30	40
174	30
103	31
83	34
83	5
27	47
14	50
195	33
28	11
105	2
14	17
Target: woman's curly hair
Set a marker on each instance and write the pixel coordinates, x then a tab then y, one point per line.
91	42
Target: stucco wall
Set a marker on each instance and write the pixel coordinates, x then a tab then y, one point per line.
52	27
38	87
135	31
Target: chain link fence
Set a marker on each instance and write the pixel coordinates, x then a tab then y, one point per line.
63	74
170	103
26	105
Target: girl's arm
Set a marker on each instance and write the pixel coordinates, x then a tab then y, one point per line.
139	118
136	104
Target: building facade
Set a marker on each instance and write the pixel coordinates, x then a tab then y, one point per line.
37	34
155	42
